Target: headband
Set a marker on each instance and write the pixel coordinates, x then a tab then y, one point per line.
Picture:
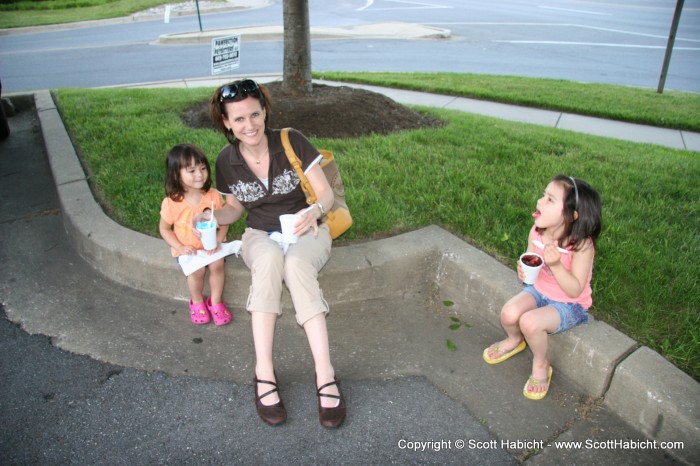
575	190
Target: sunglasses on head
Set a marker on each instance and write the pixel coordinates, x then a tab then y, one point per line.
232	91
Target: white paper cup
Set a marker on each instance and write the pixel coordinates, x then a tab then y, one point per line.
531	271
287	221
208	231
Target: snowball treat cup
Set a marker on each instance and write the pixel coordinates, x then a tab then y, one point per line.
287	221
208	232
531	264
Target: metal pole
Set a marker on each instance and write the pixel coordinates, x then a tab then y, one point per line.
199	17
669	46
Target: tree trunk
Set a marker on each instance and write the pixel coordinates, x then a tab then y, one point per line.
296	77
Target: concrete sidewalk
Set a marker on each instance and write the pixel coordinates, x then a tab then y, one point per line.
394	331
672	138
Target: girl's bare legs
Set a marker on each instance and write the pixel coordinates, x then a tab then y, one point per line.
263	340
535	326
317	334
195	285
510	321
216	280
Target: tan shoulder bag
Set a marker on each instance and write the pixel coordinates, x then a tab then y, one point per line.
338	217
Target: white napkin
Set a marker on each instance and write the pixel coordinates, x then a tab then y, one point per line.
279	238
193	262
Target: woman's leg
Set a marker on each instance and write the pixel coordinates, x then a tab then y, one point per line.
263	340
317	334
265	260
302	264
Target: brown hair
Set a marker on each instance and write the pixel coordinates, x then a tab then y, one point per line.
217	106
582	200
179	157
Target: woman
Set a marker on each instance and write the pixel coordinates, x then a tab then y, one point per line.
255	176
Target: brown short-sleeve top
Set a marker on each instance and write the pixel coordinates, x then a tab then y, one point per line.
280	194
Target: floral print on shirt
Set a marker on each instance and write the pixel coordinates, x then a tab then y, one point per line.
285	183
251	192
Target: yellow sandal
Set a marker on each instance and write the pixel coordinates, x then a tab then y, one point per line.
521	346
533	382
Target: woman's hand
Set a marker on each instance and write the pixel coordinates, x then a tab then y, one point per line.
309	220
203	217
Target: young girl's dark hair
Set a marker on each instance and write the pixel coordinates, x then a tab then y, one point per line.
581	198
179	157
235	92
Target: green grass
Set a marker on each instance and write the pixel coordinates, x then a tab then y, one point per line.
672	109
478	177
35	13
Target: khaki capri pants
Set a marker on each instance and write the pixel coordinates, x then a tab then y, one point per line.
298	269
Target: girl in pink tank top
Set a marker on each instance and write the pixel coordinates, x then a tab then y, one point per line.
567	222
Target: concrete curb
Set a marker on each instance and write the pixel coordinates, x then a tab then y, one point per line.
659	399
638	384
388	30
151	14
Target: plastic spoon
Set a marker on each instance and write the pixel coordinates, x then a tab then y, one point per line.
540	245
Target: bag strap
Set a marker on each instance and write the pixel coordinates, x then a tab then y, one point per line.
294	161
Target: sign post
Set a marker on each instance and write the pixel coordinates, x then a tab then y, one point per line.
199	16
669	46
225	54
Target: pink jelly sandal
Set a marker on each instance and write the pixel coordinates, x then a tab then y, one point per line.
199	313
219	312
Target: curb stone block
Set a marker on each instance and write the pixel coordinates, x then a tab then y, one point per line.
660	400
590	353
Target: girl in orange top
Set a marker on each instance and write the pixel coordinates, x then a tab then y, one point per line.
567	223
189	192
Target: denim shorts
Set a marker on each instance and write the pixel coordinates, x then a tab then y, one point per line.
570	314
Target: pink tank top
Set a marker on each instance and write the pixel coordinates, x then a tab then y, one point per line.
547	285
